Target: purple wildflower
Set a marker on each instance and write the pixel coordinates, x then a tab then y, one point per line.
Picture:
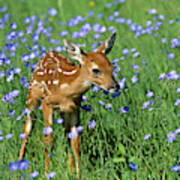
133	166
9	136
171	56
95	89
72	135
124	109
79	128
22	136
172	75
134	79
145	104
47	130
1	138
52	11
149	94
125	51
136	54
108	107
162	76
171	137
175	168
84	98
51	175
92	124
13	166
60	121
122	83
23	164
177	102
13	25
163	40
177	131
147	136
101	102
34	174
152	11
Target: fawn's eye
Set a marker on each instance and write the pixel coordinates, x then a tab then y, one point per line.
96	71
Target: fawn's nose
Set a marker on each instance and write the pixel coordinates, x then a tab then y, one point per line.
114	88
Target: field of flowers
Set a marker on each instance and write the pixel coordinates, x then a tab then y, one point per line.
132	134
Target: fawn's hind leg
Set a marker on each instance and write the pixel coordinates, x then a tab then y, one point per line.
48	140
27	130
32	99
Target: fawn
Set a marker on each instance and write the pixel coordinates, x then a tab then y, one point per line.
58	83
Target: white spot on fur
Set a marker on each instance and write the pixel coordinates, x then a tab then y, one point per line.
59	70
73	129
57	60
51	54
49	82
45	87
40	73
50	71
95	66
28	123
56	82
35	83
87	83
70	73
63	86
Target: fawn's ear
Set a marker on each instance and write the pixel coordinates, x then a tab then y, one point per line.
107	45
74	51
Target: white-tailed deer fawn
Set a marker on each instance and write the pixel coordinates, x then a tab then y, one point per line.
60	84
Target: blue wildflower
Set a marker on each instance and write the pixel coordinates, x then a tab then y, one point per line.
124	109
177	131
79	128
134	79
136	54
171	56
13	25
149	93
171	137
175	168
9	136
47	130
133	166
52	11
23	164
13	166
92	124
22	136
147	136
108	107
60	121
1	138
72	135
177	102
172	75
51	175
86	107
162	76
34	174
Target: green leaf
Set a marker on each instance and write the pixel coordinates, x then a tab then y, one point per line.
119	159
121	149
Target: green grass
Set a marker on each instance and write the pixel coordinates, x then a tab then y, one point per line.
118	138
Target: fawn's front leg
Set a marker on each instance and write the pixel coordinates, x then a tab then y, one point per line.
75	145
48	140
71	123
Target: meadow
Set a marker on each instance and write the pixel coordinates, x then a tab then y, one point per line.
135	132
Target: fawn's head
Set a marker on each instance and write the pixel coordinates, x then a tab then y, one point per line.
95	65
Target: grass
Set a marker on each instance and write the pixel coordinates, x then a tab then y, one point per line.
117	138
